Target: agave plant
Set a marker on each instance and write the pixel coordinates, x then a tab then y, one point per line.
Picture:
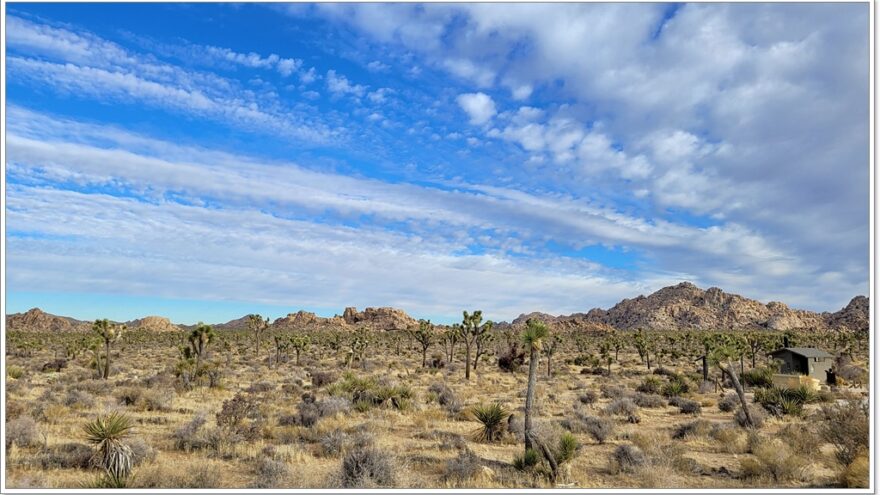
111	453
492	417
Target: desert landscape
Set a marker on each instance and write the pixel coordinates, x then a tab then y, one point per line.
375	398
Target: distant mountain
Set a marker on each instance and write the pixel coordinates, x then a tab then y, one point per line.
683	306
687	306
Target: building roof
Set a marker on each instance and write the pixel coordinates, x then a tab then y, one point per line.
809	352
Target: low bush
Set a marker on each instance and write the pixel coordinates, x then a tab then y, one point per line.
756	414
367	467
598	428
846	427
493	418
697	428
648	400
67	456
322	378
14	372
627	458
79	399
758	377
241	415
650	385
464	466
775	460
688	406
612	391
588	397
529	459
334	442
332	406
622	407
857	473
22	432
189	436
675	387
446	397
728	403
269	472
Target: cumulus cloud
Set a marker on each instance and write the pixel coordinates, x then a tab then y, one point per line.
338	84
479	107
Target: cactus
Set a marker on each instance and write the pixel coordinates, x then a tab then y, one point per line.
109	333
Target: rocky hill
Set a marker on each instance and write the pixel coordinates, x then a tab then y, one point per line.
687	306
152	324
36	320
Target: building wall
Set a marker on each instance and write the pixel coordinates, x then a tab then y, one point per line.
818	367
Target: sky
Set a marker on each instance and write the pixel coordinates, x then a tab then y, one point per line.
205	161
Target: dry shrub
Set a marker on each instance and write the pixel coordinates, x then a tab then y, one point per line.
190	436
598	428
366	466
22	432
846	426
775	460
627	459
588	397
446	397
698	428
612	391
270	472
201	474
757	414
857	474
622	407
141	451
321	378
648	400
730	438
688	406
67	456
728	403
462	467
79	399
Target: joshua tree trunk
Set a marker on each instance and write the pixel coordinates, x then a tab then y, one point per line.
424	356
467	361
106	359
530	397
705	369
730	373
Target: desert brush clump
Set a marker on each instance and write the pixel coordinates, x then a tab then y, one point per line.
365	466
627	458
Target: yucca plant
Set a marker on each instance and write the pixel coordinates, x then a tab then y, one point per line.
107	480
111	453
567	448
527	460
492	417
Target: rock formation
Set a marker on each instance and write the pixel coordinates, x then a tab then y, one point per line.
153	324
35	320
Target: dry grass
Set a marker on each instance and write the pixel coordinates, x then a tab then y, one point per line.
426	443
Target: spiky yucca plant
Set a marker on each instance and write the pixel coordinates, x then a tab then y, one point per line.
492	417
111	453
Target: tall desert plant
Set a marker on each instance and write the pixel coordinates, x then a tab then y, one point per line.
107	435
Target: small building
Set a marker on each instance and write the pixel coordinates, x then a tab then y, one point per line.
804	361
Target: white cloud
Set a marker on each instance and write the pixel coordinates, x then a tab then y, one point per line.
309	76
340	85
287	66
377	66
479	107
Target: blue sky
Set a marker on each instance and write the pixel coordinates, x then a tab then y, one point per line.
203	161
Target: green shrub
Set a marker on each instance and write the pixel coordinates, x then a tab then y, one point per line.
650	385
15	372
758	377
528	460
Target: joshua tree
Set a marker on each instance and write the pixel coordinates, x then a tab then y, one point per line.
199	339
534	335
472	329
109	332
483	341
257	325
424	335
720	355
358	346
549	347
282	344
299	343
605	351
450	338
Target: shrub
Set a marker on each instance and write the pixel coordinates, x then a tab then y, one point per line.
688	406
758	377
332	406
321	378
622	407
260	387
67	456
79	399
366	466
55	365
334	442
697	428
528	460
462	467
129	396
269	472
650	385
140	451
598	428
648	400
157	399
757	415
187	437
857	473
22	432
241	415
307	413
674	388
774	459
612	391
566	448
588	397
627	458
492	418
728	403
846	427
15	372
446	397
665	372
